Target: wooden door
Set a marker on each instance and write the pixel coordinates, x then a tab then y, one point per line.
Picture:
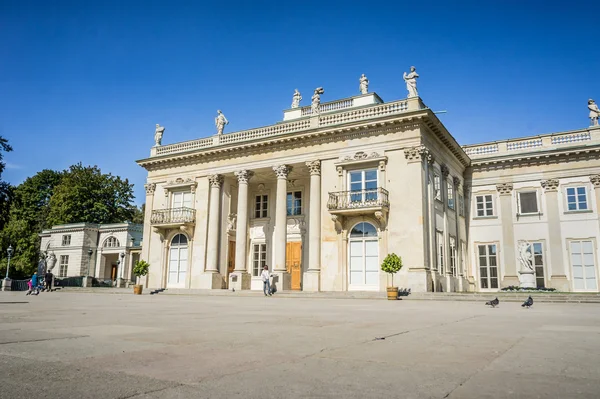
293	265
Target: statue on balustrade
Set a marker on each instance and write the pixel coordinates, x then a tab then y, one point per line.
316	100
296	99
220	122
158	133
411	82
364	84
594	112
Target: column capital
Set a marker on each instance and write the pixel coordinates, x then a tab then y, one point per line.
243	175
456	180
550	185
504	188
445	171
150	188
595	180
419	153
216	181
282	171
314	167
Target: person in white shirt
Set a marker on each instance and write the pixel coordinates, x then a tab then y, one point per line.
265	275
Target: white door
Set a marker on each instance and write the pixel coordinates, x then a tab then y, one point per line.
364	258
178	262
584	266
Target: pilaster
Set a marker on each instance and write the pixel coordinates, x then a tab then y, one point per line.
282	277
509	259
558	279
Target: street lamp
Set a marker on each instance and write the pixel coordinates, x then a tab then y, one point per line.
122	264
90	253
10	252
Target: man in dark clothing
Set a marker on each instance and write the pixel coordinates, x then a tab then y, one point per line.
48	280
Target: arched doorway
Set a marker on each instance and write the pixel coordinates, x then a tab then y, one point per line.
363	246
178	262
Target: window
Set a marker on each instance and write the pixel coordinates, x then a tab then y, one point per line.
294	203
484	205
111	242
437	191
453	256
461	205
181	199
63	266
538	264
440	252
576	199
363	185
66	240
528	202
259	259
488	266
261	206
583	265
450	195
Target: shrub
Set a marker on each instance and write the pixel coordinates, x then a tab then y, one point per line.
392	265
141	268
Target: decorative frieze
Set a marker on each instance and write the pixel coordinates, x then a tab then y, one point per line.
595	180
282	171
550	185
504	188
314	167
150	188
216	181
361	155
243	175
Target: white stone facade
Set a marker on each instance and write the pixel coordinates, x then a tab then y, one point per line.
322	198
70	244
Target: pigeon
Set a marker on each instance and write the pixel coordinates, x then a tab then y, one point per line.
493	303
528	303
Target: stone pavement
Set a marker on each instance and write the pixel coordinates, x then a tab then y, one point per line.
94	345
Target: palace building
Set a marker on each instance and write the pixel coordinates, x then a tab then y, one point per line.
323	196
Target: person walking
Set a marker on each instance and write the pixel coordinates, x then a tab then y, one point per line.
35	284
265	276
48	277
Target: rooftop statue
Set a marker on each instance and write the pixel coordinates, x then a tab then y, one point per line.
594	112
296	99
220	122
364	84
316	100
158	133
411	82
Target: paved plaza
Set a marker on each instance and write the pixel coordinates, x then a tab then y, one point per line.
88	345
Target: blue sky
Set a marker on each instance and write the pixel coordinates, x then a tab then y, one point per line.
88	81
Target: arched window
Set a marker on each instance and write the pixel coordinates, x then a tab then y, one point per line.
363	229
111	242
178	260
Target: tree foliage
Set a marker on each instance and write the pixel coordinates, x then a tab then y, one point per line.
392	265
5	188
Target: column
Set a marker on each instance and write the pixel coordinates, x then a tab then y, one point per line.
280	237
240	278
154	273
558	279
311	280
211	279
508	235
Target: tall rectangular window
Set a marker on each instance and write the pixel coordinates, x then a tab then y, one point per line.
66	240
259	259
437	189
363	185
294	203
576	199
484	205
583	264
450	195
453	256
181	199
488	266
63	266
528	202
440	252
261	205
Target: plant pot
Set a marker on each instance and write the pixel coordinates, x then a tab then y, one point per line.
392	293
137	289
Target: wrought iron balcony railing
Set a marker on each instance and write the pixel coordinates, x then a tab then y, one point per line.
173	216
346	200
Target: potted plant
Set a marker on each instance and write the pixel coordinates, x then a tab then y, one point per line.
392	265
140	269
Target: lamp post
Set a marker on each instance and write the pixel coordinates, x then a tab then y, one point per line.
7	282
122	265
90	253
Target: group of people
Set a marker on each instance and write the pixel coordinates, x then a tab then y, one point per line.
36	286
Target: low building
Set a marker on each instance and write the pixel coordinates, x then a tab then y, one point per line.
323	196
104	251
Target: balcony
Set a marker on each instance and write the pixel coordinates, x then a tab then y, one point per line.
173	217
360	201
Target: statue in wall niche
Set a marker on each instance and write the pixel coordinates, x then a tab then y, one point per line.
525	256
231	221
316	100
158	133
220	122
594	112
364	84
411	82
296	99
51	261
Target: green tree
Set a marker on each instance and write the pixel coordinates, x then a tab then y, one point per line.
5	188
392	265
86	195
138	216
